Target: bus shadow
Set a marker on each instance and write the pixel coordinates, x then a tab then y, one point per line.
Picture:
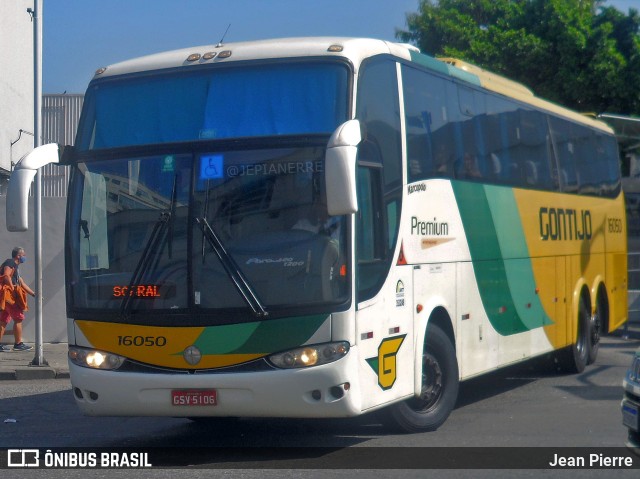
504	380
256	443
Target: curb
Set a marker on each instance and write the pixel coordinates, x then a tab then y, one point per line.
22	365
33	372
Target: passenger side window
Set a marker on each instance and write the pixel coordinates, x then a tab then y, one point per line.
379	113
565	150
454	130
606	155
499	117
367	214
471	160
530	155
430	149
370	233
379	174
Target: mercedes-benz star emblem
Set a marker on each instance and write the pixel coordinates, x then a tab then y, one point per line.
192	355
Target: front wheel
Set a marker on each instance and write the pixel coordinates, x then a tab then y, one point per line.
574	358
439	391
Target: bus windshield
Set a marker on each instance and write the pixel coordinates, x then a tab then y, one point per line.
212	103
205	231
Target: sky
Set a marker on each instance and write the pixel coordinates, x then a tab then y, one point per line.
80	36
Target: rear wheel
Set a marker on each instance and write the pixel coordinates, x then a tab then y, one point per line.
439	391
596	326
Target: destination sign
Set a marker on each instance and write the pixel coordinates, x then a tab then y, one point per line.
137	291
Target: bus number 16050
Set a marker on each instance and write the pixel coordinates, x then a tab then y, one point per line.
147	341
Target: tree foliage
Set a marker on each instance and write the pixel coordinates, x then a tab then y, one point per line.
580	53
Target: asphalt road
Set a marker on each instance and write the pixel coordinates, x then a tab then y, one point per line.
529	405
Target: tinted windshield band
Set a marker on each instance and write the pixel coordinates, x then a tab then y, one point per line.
254	100
288	141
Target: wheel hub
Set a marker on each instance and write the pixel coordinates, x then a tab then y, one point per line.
432	384
595	329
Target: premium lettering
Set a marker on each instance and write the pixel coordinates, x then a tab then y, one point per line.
429	228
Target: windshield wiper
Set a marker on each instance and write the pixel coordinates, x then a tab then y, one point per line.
151	251
172	214
205	214
233	271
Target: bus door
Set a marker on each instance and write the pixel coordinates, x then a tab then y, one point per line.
384	328
386	341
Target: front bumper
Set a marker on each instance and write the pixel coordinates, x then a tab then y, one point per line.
330	390
630	407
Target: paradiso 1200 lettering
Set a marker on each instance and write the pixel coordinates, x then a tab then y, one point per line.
385	364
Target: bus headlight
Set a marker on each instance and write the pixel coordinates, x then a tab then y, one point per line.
308	356
91	358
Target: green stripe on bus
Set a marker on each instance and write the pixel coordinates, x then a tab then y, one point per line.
441	67
429	62
260	336
513	245
494	231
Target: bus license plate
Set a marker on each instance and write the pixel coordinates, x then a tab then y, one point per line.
194	397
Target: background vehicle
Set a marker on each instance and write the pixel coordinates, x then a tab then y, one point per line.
631	402
324	227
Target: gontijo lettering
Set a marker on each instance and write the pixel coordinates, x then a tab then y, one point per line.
557	224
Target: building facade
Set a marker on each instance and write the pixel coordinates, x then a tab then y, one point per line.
16	84
60	115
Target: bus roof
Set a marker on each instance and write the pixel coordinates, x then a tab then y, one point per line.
354	49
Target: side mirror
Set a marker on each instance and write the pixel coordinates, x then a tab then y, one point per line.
20	182
340	169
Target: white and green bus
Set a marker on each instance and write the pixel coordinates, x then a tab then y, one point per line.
323	227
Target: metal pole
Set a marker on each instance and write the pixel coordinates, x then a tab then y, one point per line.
38	360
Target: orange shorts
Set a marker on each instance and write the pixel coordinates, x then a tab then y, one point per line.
10	312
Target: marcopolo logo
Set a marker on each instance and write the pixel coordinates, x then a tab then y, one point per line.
416	188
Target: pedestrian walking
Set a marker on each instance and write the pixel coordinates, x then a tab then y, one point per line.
14	291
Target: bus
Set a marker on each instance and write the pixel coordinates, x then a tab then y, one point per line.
325	227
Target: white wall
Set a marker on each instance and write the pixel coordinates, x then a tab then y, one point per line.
16	80
54	315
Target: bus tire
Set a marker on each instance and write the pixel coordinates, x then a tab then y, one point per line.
574	358
596	325
440	382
